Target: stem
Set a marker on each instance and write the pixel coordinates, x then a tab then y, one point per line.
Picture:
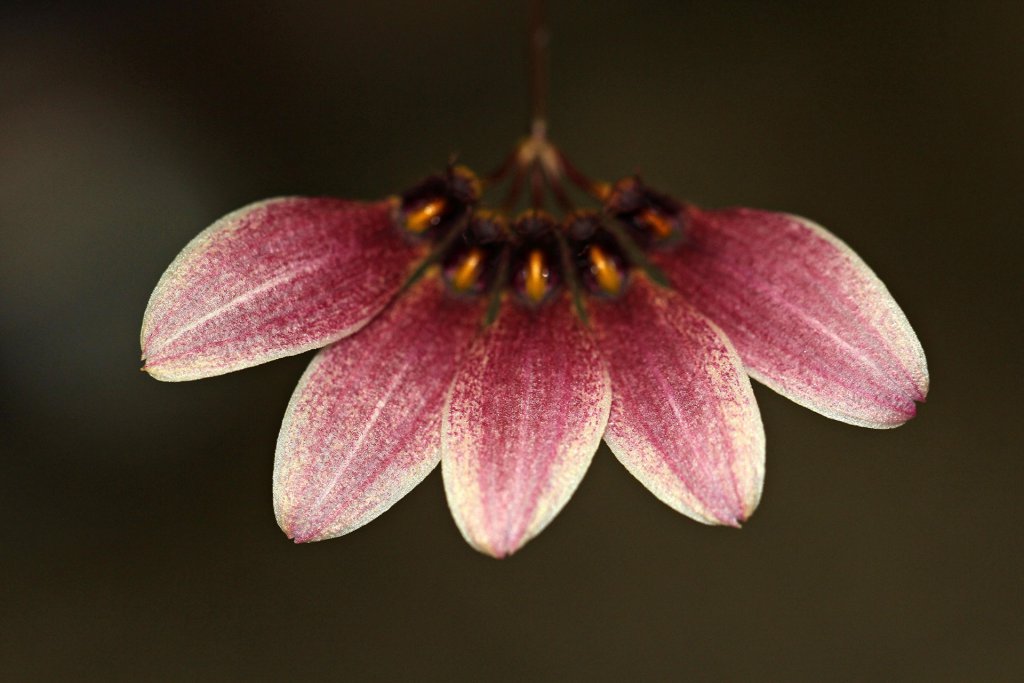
635	254
536	188
539	37
570	276
579	179
439	250
494	305
502	170
514	189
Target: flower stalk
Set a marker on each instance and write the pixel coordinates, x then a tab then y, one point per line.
539	39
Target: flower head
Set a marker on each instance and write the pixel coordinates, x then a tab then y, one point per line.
505	345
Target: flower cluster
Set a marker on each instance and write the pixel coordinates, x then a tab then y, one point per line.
533	255
505	342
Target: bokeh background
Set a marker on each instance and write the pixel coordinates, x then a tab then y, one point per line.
138	540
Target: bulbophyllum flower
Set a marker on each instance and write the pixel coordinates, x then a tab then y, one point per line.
506	344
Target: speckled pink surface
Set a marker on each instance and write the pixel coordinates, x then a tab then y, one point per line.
525	415
808	317
364	425
515	411
273	279
683	420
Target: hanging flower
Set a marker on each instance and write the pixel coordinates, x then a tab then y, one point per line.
506	345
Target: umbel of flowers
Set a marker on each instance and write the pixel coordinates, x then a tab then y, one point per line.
503	325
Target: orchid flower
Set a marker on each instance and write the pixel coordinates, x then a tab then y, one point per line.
505	336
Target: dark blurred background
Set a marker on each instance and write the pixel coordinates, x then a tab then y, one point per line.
138	539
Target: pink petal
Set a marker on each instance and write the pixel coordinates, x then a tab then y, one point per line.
683	420
808	317
523	420
273	279
364	425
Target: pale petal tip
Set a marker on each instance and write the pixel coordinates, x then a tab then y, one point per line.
499	549
150	369
296	533
497	541
731	522
916	390
749	507
897	418
497	554
921	384
293	527
155	373
315	534
739	520
911	412
733	519
732	513
161	373
301	528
